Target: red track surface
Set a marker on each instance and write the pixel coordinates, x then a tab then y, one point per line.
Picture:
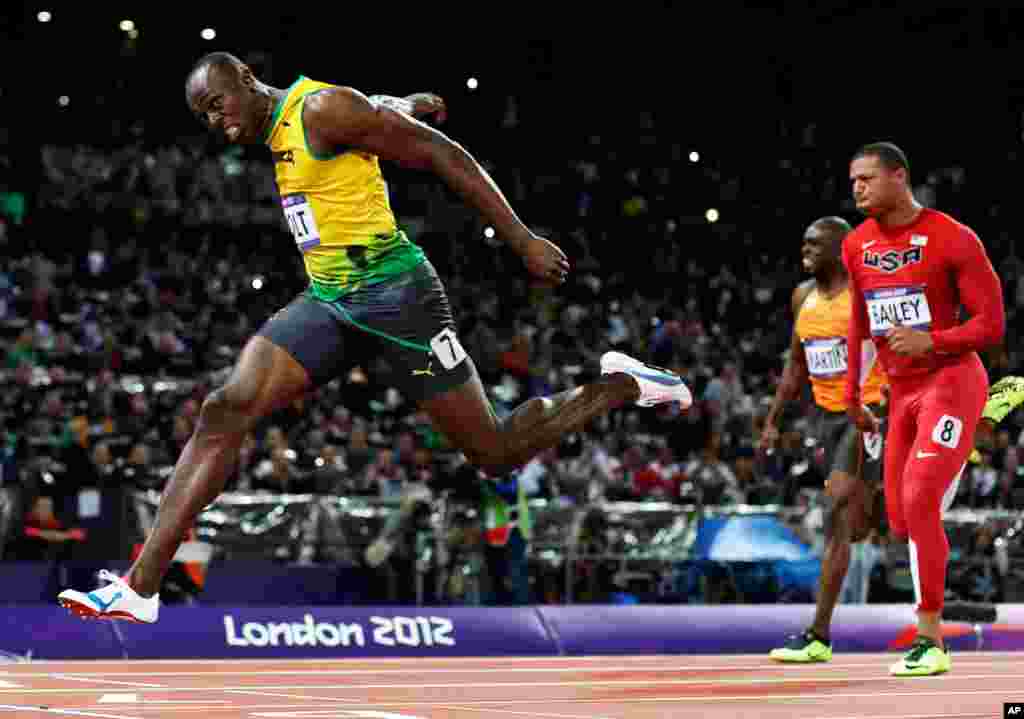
853	685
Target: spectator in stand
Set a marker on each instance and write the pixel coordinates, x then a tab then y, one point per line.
384	475
44	536
715	480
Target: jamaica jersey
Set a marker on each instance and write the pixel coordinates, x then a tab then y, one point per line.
336	206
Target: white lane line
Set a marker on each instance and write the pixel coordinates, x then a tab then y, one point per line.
753	681
529	714
727	660
134	699
9	685
605	702
392	660
471	703
987	715
632	668
252	692
332	714
436	670
99	680
118	699
64	712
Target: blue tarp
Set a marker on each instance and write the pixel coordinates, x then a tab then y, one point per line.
760	545
748	539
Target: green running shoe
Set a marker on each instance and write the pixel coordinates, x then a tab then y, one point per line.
1003	397
924	659
803	648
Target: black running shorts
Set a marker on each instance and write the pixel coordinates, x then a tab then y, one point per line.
405	321
844	447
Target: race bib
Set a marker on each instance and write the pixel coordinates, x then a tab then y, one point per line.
873	445
947	431
301	222
447	348
895	306
826	357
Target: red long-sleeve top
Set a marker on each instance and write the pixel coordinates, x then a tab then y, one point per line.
918	275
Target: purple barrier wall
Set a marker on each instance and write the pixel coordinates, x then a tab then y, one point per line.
254	631
340	631
29	582
1007	632
733	629
47	631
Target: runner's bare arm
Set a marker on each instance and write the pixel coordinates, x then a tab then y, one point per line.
345	117
795	373
419	104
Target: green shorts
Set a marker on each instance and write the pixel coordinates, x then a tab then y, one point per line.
405	321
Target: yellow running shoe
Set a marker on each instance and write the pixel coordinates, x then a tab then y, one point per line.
924	659
1003	397
803	648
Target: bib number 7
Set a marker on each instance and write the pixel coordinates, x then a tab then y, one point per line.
447	348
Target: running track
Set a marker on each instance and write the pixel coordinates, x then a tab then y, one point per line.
619	687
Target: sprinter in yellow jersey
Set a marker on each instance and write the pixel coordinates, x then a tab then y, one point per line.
371	292
817	354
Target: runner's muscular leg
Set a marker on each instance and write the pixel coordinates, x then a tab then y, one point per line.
265	379
949	414
899	438
465	416
847	521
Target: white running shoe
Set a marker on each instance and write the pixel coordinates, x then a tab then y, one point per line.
657	385
115	601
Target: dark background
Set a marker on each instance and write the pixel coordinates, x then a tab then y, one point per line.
748	88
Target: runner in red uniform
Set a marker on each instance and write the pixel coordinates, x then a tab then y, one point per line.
911	268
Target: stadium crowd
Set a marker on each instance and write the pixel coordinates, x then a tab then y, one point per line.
133	274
